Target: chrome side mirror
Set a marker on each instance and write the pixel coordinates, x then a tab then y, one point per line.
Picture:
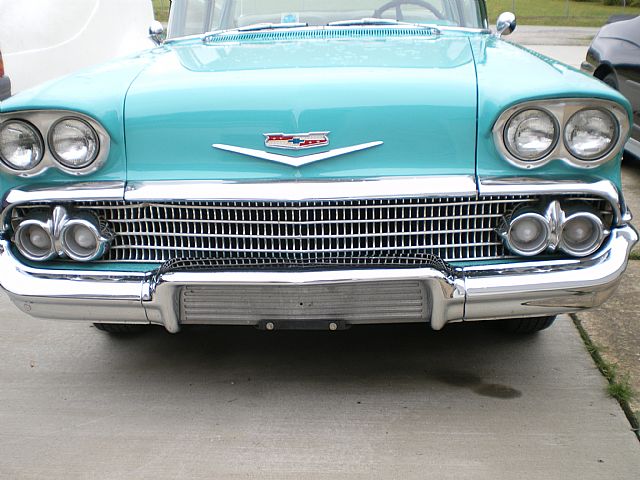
156	32
506	24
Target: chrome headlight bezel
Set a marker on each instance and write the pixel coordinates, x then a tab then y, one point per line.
44	121
562	110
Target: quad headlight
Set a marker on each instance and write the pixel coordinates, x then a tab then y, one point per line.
21	146
33	141
529	233
590	134
74	143
574	228
585	133
531	134
34	240
47	234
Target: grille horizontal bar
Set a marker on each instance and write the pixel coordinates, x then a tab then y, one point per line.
299	233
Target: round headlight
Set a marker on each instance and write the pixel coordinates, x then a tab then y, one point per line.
531	135
82	240
528	234
34	240
582	234
74	143
21	146
590	134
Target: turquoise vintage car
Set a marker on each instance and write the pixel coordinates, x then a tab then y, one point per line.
316	164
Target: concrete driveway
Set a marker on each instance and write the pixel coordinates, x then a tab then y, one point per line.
372	402
377	402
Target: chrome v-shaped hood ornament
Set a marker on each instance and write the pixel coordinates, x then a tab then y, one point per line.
295	161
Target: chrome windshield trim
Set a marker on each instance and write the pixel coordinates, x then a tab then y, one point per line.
536	186
295	161
438	29
297	191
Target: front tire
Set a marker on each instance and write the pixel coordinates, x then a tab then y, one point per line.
527	326
119	329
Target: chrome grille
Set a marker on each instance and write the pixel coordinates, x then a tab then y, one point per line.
301	233
398	301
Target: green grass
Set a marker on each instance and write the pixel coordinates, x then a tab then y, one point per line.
558	12
619	385
161	10
529	12
634	256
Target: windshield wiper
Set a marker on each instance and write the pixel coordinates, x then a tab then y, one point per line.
379	21
270	26
256	27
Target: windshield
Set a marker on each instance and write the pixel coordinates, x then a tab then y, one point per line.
192	17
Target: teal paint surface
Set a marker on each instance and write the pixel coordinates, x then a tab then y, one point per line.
417	95
99	93
509	74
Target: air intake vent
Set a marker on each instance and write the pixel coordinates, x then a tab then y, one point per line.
324	33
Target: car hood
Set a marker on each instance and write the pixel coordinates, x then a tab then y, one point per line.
415	98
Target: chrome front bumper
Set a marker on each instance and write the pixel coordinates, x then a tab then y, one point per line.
469	294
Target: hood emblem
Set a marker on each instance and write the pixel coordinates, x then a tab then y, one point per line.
297	161
296	141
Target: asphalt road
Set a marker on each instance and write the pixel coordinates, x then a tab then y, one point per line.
373	402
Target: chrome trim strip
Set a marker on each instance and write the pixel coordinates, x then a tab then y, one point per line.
338	189
562	110
80	192
491	186
44	120
399	187
396	26
75	192
295	161
479	293
305	190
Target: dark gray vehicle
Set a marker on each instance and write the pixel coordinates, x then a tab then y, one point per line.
5	83
614	58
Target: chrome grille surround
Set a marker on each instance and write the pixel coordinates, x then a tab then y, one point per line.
407	231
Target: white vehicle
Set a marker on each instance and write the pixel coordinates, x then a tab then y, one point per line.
45	39
5	83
